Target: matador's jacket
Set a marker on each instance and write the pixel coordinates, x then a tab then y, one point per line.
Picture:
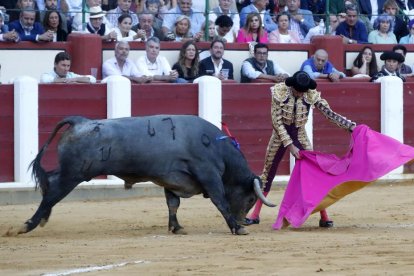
289	116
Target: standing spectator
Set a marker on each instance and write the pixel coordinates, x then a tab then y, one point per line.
403	68
5	35
301	20
53	22
224	8
215	65
123	8
365	64
352	30
61	72
391	63
282	34
319	67
145	28
252	30
121	65
123	30
260	67
188	63
400	26
258	6
183	8
97	26
28	29
409	39
153	65
319	30
382	33
224	29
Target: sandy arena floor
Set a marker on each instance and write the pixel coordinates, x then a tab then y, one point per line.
373	235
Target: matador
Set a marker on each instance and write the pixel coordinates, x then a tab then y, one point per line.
291	102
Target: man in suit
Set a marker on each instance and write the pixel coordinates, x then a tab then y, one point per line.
28	29
300	20
215	65
258	6
371	7
145	27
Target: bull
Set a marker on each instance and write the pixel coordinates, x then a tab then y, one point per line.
184	154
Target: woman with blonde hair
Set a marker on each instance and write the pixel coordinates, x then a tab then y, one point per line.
187	64
383	30
253	30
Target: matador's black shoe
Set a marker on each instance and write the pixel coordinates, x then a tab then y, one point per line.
249	221
326	223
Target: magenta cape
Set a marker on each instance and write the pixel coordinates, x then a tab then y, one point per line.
318	180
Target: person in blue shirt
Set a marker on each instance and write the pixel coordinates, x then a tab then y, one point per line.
352	29
318	66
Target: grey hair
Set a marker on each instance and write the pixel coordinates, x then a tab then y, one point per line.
153	39
121	43
145	13
384	18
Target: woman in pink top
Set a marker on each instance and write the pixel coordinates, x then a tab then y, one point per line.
252	30
282	34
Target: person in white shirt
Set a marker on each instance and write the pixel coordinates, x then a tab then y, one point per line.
121	65
154	65
320	30
61	72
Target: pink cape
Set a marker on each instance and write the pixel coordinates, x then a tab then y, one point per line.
319	180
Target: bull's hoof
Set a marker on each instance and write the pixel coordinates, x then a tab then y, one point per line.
242	231
13	232
178	231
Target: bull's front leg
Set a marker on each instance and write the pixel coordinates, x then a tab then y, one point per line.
173	203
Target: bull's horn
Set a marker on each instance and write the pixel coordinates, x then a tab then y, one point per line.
259	193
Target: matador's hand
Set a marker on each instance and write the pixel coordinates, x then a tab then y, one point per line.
294	151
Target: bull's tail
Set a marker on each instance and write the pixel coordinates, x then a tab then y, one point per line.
38	172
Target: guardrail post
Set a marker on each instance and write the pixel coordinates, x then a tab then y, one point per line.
210	99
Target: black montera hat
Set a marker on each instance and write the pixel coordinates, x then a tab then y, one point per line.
301	81
392	55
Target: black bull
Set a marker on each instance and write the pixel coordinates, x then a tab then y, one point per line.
184	154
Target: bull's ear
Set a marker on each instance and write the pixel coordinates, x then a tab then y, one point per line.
259	193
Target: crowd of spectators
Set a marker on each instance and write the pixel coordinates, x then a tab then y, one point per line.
228	21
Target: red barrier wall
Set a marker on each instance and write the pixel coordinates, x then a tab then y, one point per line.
56	101
408	120
6	133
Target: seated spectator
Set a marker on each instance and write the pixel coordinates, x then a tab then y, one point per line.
5	35
391	62
224	29
181	31
317	30
188	63
184	7
61	5
21	5
123	30
28	29
258	7
53	22
403	69
215	65
365	64
53	5
90	8
211	32
252	30
400	27
409	39
153	65
382	33
260	67
282	34
301	20
122	8
153	7
352	30
97	26
145	28
61	72
225	8
121	65
319	67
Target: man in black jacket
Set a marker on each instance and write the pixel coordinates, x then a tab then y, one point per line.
215	65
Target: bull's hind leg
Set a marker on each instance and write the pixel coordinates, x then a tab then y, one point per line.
56	191
173	203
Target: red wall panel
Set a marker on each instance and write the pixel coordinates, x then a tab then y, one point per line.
6	133
408	120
